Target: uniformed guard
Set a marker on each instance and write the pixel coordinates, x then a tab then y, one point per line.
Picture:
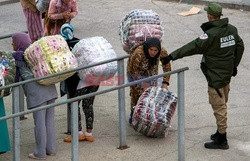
222	49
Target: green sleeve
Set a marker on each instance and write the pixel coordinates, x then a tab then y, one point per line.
197	46
238	51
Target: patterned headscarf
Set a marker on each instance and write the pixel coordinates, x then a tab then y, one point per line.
152	42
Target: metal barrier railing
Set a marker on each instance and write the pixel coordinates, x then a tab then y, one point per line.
74	107
122	120
9	35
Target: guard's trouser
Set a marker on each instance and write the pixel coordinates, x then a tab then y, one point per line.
218	100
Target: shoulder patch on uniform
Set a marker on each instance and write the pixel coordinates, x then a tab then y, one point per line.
204	36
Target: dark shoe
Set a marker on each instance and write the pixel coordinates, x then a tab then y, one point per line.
219	143
214	136
216	145
130	117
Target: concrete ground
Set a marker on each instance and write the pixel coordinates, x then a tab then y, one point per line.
102	18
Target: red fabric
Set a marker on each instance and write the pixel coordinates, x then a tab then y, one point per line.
153	112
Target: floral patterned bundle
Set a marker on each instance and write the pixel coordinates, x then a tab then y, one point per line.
7	72
50	55
137	26
93	50
153	112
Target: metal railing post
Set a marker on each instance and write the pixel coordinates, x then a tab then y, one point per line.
68	118
74	131
21	102
181	117
121	100
16	124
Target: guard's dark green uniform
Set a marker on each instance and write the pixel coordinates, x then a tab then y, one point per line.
222	49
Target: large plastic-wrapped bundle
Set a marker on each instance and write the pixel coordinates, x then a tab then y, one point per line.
93	50
153	112
7	72
42	5
137	26
50	55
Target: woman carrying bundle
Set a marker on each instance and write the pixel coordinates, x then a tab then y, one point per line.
59	13
74	89
44	120
143	62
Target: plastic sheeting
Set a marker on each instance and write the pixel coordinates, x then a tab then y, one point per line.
153	112
7	72
93	50
42	5
50	55
137	26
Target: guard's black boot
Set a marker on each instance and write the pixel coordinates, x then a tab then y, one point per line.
130	117
214	136
218	143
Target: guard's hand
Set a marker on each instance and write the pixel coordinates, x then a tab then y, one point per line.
235	70
166	60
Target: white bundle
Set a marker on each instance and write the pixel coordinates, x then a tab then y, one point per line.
93	50
137	26
42	5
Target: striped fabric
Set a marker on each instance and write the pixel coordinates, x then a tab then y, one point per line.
137	26
34	24
154	111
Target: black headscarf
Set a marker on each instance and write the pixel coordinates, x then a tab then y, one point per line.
152	42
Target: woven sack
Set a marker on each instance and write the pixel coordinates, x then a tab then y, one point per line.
153	112
137	26
93	50
50	55
7	72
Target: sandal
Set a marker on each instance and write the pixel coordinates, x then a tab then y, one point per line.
51	154
32	156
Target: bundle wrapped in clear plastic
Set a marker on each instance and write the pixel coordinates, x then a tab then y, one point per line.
7	72
137	26
154	111
42	5
50	55
93	50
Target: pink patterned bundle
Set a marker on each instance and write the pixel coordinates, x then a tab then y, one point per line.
137	26
50	55
153	112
